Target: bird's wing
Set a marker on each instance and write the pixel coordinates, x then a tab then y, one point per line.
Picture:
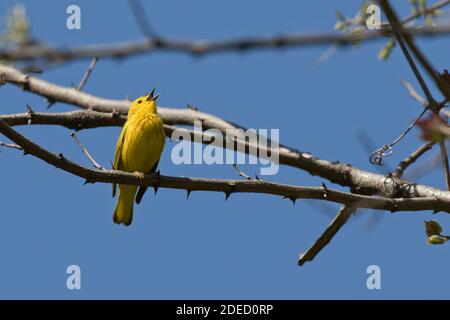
142	190
432	227
117	165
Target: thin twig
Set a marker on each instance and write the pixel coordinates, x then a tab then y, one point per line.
82	82
10	145
141	19
430	9
445	163
398	33
341	218
403	165
413	93
86	152
87	74
241	173
198	48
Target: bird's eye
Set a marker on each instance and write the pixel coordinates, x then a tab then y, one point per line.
139	101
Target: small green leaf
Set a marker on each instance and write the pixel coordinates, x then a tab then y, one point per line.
339	25
386	51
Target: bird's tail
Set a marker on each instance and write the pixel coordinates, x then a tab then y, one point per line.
123	213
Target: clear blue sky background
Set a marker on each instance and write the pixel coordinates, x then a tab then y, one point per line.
205	247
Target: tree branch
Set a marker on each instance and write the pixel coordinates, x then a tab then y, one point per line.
341	218
86	101
127	49
87	74
362	182
403	165
432	104
226	186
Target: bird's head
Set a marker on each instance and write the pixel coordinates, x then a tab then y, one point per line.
145	103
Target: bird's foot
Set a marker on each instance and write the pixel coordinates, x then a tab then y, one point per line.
139	175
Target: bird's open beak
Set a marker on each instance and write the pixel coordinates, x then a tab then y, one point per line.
151	96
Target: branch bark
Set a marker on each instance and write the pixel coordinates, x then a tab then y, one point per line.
220	185
202	48
362	182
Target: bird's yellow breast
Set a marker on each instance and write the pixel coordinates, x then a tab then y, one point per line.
144	140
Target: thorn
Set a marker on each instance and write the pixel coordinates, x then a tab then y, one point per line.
293	200
60	159
157	173
24	153
191	107
87	181
115	114
257	178
324	187
227	195
188	194
155	188
2	79
435	211
395	208
30	113
29	109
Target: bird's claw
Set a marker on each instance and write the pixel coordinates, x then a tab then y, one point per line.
139	175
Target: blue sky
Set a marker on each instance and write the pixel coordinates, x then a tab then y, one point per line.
205	247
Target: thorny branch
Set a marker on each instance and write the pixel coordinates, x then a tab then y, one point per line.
226	186
432	104
362	182
202	48
367	190
376	157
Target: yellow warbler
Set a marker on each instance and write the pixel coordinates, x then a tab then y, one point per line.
138	150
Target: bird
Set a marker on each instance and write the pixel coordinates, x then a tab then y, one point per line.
138	151
434	232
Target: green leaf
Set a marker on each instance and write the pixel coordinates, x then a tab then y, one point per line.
386	51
